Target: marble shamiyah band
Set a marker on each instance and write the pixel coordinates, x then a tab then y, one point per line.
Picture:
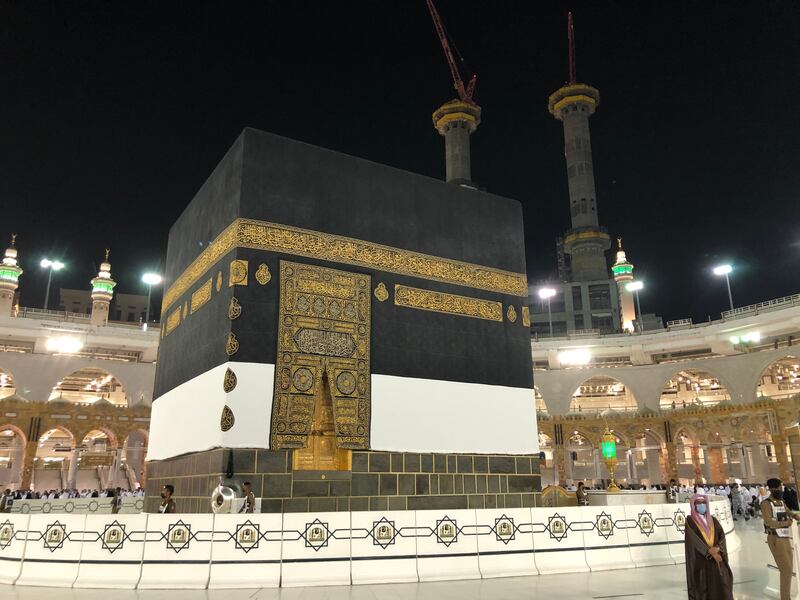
337	332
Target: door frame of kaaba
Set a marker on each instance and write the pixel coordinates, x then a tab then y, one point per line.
324	323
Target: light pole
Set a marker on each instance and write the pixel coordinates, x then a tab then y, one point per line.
150	279
546	294
635	286
50	265
725	270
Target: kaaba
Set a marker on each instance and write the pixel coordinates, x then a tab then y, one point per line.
345	336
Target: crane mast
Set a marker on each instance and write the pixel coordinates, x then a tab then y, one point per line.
464	93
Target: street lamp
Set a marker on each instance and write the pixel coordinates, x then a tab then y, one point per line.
725	270
546	294
635	286
150	279
50	265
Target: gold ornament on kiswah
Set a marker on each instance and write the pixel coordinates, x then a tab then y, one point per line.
381	293
526	316
173	320
227	419
185	310
511	313
262	274
232	345
451	304
272	237
200	296
323	355
229	382
237	274
219	280
234	309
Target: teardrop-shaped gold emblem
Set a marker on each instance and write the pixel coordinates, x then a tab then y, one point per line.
234	309
229	383
232	346
227	419
262	274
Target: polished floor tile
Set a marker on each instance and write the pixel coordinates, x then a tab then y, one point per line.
749	566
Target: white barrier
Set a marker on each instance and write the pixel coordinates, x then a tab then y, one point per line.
130	505
306	549
316	549
246	551
647	534
53	550
384	548
177	551
448	546
606	542
113	547
13	535
505	548
558	540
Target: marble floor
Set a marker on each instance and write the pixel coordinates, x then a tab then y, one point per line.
653	583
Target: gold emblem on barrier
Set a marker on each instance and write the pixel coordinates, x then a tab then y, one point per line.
234	309
322	385
452	304
262	274
381	293
232	345
229	383
238	273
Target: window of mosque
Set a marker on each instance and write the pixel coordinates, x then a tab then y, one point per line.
781	379
89	386
577	298
599	296
692	388
601	393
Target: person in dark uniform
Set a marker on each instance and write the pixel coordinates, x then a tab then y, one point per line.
249	498
167	502
790	498
708	574
580	494
777	524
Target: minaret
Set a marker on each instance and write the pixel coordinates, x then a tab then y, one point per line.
102	292
456	121
586	242
623	275
9	278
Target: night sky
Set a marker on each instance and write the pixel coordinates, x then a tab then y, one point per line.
113	114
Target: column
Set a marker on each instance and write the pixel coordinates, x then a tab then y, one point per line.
73	467
597	473
698	473
671	466
793	438
115	468
715	464
784	471
633	476
745	474
27	465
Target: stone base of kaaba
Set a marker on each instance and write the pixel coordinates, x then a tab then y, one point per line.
377	481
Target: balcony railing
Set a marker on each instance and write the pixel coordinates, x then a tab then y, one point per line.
754	309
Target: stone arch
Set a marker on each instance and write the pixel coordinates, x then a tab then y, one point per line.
62	429
541	406
600	391
686	432
8	384
89	384
782	375
113	439
689	385
17	431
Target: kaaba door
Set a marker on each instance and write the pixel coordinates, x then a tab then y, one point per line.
321	405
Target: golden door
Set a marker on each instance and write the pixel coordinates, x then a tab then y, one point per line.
322	453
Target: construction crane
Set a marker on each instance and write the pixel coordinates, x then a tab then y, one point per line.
571	41
464	93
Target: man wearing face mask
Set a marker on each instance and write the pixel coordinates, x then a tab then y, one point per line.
167	502
777	522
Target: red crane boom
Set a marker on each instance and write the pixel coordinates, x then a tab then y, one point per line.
465	94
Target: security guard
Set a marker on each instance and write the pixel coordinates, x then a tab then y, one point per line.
777	522
249	498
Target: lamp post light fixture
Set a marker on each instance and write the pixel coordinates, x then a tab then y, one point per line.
50	265
150	279
608	449
725	270
635	286
546	294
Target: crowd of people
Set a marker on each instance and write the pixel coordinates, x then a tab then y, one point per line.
70	493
